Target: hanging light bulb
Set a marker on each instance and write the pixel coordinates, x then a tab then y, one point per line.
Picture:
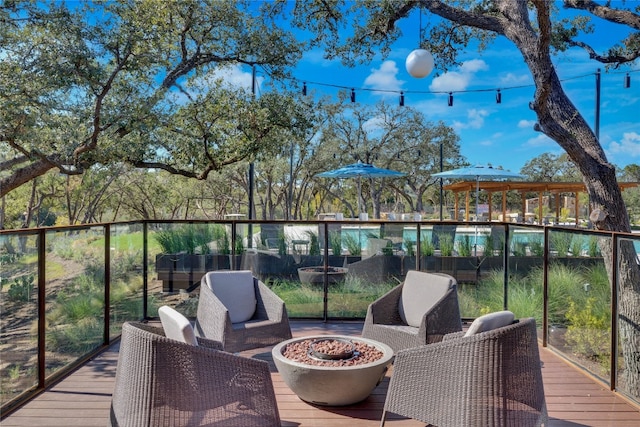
402	99
498	97
304	89
353	95
419	63
450	101
627	81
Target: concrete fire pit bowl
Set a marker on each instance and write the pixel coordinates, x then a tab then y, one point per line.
332	385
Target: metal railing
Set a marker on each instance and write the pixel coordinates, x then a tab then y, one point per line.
65	291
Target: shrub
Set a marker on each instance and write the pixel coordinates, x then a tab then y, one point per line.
335	241
465	246
22	288
426	247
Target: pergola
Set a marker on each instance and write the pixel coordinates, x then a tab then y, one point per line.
555	188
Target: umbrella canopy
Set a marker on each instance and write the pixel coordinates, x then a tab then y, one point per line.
479	173
360	170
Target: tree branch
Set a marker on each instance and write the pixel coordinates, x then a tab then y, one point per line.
617	16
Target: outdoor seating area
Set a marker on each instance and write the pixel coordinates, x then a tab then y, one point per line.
424	305
83	399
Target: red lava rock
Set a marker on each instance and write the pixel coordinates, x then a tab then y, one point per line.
298	352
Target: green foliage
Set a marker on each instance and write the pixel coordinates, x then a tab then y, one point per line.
335	242
588	332
188	238
577	243
239	248
221	237
465	246
282	243
488	243
427	248
560	242
519	247
536	245
593	249
352	244
314	244
21	289
446	244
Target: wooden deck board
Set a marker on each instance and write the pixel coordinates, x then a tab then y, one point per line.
573	398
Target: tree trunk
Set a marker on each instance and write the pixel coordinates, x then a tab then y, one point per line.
559	119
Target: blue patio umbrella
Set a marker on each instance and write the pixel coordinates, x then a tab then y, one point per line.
478	173
360	170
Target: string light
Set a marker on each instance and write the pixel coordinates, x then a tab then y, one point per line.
402	93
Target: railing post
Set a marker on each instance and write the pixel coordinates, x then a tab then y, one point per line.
107	284
325	279
145	268
505	262
545	288
42	262
613	361
418	245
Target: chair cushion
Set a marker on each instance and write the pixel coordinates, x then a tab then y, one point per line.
420	292
176	326
235	289
489	322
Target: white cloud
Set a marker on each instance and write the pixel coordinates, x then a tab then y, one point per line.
473	66
236	76
475	119
511	79
524	124
629	145
384	78
455	81
541	140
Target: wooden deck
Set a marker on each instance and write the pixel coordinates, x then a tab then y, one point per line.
573	399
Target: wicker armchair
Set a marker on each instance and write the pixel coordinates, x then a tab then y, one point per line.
264	320
492	378
419	311
160	381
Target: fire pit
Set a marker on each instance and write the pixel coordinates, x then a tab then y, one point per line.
332	370
315	275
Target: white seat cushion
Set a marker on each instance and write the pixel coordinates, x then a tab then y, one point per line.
490	321
420	292
235	289
176	326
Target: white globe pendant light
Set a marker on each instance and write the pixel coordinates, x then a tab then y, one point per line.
419	63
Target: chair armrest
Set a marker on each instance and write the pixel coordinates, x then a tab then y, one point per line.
384	310
269	304
212	317
212	344
453	336
443	318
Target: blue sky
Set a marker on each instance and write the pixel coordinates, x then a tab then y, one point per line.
499	134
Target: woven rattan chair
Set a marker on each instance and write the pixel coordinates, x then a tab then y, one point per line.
164	382
422	310
491	378
263	321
